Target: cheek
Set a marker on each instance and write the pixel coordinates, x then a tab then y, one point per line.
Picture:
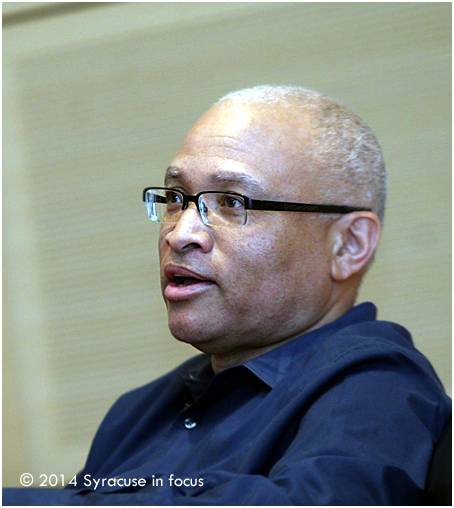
271	260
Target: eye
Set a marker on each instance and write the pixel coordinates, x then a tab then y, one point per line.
173	198
229	201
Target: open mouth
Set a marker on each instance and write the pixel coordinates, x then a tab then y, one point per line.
183	283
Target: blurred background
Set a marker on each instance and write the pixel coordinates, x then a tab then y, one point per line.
97	98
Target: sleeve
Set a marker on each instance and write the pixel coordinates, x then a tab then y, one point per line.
366	439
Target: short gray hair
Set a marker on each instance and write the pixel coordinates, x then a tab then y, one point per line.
344	144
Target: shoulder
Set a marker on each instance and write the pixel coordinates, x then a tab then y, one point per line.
375	367
373	342
370	363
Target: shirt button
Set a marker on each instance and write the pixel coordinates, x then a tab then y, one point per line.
190	423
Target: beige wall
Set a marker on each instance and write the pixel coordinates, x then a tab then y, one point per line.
96	102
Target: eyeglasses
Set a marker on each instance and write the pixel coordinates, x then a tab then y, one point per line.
223	209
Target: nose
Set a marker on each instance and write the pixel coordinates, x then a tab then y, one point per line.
190	232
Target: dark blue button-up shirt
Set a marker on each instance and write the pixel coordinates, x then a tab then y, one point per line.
346	414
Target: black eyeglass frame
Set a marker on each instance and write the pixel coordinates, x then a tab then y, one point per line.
259	204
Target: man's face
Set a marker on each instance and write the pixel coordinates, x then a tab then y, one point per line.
236	289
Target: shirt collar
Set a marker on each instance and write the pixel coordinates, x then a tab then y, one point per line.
273	365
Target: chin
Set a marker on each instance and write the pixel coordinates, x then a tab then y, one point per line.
185	329
199	336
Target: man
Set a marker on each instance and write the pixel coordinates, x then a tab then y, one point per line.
270	216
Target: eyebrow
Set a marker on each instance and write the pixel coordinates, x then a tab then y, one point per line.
222	177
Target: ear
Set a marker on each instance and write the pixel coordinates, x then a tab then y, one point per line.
354	239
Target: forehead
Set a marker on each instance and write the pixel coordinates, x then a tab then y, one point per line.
219	178
244	145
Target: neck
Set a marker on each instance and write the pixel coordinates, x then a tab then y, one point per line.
225	360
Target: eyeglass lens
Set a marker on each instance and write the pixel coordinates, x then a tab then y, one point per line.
216	208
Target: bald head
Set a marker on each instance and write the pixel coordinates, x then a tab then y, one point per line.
272	129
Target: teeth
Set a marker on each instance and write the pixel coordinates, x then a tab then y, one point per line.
184	281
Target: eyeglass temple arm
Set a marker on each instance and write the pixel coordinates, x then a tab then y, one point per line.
255	204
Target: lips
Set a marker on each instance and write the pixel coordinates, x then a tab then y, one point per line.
182	283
